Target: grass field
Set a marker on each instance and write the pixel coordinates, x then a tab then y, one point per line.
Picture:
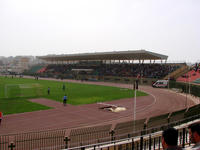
14	93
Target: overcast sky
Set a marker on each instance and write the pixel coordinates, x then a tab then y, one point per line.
42	27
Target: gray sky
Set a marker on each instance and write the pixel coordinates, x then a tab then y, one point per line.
42	27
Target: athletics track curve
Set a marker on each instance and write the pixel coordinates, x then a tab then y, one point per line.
159	101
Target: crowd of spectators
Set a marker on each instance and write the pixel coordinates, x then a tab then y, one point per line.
192	75
197	67
170	138
132	70
120	70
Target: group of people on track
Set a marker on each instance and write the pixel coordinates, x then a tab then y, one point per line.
64	97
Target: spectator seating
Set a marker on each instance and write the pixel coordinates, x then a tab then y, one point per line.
42	70
35	68
119	70
90	135
122	129
190	76
178	72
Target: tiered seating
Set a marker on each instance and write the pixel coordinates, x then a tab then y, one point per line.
191	76
156	121
178	72
35	68
122	129
40	140
120	70
42	70
89	135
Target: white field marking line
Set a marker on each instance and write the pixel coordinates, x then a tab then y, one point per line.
149	104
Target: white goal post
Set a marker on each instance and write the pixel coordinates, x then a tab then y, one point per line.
22	89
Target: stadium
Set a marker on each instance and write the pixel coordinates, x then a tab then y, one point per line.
124	111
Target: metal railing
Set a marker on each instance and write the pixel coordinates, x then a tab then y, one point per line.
51	139
57	139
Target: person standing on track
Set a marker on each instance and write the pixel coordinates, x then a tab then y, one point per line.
65	100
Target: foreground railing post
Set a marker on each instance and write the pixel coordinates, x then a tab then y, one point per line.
137	145
144	145
66	142
180	138
112	135
183	144
133	144
149	142
159	139
11	146
82	148
141	143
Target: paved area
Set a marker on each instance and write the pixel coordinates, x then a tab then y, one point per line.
158	102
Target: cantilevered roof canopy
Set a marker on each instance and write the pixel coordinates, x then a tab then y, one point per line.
115	55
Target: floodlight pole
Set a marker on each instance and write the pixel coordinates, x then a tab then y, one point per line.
169	75
189	81
134	115
134	105
188	87
186	96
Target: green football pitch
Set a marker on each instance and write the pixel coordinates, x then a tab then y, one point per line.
15	92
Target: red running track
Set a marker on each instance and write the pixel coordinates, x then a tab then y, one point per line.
159	101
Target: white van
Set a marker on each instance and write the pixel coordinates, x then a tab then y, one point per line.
160	83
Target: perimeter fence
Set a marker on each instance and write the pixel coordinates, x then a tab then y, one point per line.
127	135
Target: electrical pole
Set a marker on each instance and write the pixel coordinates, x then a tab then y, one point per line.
134	105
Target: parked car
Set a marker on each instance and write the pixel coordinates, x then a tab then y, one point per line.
160	84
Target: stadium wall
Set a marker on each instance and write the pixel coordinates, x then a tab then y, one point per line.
128	80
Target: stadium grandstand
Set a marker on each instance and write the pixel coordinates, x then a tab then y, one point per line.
111	66
115	67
